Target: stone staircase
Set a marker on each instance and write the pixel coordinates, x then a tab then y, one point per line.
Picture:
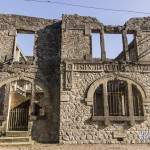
16	138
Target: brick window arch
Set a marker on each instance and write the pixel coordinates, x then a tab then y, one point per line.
117	100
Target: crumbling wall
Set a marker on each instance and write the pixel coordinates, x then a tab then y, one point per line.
77	125
76	36
11	24
63	64
142	28
44	68
79	72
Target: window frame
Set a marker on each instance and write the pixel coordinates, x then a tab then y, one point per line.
27	32
107	118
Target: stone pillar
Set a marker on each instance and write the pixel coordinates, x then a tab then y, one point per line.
13	33
106	107
6	100
102	44
125	44
32	107
7	107
130	101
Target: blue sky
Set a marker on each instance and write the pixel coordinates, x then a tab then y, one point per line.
54	11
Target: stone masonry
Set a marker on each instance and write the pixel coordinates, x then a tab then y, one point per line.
62	64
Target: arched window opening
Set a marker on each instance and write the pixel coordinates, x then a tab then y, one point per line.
137	101
99	101
117	98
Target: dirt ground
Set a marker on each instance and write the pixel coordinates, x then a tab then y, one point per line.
78	147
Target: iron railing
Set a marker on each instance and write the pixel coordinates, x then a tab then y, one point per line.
18	119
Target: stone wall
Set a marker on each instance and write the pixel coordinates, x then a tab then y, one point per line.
141	28
76	36
60	45
43	69
76	124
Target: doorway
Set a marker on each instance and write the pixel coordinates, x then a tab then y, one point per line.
19	103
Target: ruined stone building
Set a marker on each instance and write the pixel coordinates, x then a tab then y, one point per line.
62	94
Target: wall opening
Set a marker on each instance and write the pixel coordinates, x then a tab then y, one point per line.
117	97
113	45
120	139
132	48
24	46
130	38
98	101
96	49
20	97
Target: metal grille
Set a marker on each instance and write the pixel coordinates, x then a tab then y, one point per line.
117	98
18	119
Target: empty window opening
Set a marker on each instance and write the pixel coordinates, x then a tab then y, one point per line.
115	95
130	38
137	101
117	98
24	46
113	45
99	101
96	49
132	47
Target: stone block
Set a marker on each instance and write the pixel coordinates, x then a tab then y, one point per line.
119	134
64	97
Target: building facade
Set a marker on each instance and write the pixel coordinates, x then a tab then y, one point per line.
62	94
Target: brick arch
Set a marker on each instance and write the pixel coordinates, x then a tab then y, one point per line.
95	84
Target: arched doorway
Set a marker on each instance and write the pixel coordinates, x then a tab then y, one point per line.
22	95
19	102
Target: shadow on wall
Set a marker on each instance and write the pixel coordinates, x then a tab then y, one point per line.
47	49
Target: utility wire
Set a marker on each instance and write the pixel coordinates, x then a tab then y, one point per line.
89	7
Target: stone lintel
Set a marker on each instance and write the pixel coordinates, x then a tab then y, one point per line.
113	29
